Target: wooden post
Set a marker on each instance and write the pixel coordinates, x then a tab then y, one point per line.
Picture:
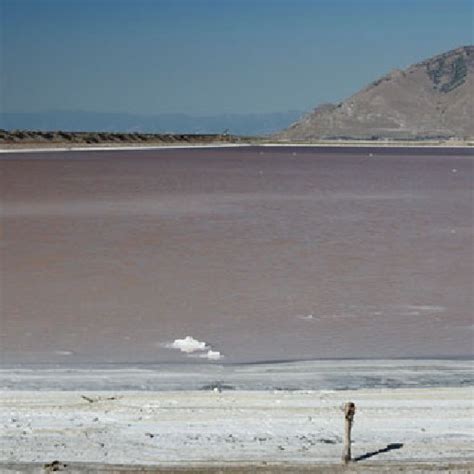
349	412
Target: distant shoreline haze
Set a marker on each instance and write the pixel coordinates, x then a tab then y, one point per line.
83	121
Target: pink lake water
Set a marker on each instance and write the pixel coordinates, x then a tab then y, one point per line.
263	253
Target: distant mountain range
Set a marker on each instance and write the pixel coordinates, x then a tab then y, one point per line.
236	124
430	99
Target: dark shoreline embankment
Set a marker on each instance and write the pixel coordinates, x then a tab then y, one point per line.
55	138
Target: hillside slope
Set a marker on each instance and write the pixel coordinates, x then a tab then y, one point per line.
430	99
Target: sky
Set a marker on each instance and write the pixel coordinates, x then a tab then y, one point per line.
206	57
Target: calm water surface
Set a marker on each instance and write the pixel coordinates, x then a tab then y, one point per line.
263	253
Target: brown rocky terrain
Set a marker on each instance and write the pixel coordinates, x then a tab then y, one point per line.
21	138
430	99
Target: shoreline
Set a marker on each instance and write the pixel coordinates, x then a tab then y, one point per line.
337	375
60	147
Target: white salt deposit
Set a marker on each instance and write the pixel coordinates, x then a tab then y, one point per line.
411	313
306	317
421	308
211	355
188	345
434	308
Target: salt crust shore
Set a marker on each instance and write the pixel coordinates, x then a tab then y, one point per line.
40	148
196	428
275	417
349	374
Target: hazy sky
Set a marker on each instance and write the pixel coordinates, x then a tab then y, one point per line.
212	56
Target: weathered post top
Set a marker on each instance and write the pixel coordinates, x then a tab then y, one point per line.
349	410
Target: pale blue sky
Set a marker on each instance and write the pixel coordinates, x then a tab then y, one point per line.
212	56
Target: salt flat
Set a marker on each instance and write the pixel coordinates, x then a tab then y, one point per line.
189	427
215	415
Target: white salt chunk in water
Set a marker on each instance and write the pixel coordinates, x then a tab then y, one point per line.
189	345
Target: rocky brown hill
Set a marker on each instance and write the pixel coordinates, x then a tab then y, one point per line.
430	99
